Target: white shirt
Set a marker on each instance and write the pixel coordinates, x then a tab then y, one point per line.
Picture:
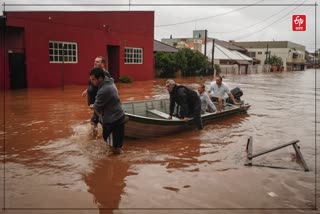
205	102
217	91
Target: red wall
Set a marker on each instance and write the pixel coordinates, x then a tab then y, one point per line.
92	31
2	59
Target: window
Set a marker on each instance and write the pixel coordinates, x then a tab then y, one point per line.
252	54
63	52
133	55
259	53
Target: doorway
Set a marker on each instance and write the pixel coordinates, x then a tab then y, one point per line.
113	53
17	70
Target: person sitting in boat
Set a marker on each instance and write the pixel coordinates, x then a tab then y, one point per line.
187	99
219	90
206	103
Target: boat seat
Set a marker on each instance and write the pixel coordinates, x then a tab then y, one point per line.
161	114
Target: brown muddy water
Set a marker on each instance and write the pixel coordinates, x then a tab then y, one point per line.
52	164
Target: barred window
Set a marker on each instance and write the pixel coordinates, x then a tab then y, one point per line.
63	52
133	55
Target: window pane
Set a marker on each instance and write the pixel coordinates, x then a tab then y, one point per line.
55	45
50	45
51	58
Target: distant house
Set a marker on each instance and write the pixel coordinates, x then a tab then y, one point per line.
225	53
50	49
162	47
292	54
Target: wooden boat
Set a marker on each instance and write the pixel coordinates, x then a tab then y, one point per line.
148	118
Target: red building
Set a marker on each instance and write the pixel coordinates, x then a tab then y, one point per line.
51	49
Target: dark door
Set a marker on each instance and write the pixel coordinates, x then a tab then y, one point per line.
17	69
114	61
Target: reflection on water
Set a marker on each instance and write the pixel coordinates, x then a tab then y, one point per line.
51	156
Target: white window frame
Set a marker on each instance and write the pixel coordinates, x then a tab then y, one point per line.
133	55
56	49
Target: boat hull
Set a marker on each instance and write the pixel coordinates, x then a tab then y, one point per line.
144	126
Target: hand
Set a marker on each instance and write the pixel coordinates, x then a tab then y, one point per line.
85	93
91	106
170	117
185	119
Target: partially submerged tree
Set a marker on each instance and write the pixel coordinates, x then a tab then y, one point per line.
274	60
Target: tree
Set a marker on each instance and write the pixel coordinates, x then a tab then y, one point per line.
190	63
274	60
166	64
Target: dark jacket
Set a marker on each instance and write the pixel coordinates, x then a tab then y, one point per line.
92	90
186	98
108	102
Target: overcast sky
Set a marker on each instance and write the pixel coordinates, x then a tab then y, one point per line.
239	23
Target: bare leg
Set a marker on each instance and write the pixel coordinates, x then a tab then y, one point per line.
220	101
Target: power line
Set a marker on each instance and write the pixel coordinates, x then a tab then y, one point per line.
284	16
155	5
250	26
209	17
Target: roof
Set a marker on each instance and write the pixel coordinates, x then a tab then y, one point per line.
271	44
162	47
242	62
229	45
222	53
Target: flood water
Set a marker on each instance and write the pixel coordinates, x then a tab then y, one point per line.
53	165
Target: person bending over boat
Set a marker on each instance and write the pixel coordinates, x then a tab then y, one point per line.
206	103
107	103
91	91
187	99
219	90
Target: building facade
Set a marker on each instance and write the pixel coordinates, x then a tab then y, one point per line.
292	54
50	49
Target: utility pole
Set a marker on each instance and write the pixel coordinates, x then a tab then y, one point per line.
205	42
212	62
267	63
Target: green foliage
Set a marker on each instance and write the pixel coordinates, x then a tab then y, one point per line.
209	71
218	69
274	60
125	79
166	64
191	63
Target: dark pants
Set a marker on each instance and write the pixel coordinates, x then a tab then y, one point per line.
196	114
92	93
117	130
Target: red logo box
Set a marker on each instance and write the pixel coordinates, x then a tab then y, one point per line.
299	22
